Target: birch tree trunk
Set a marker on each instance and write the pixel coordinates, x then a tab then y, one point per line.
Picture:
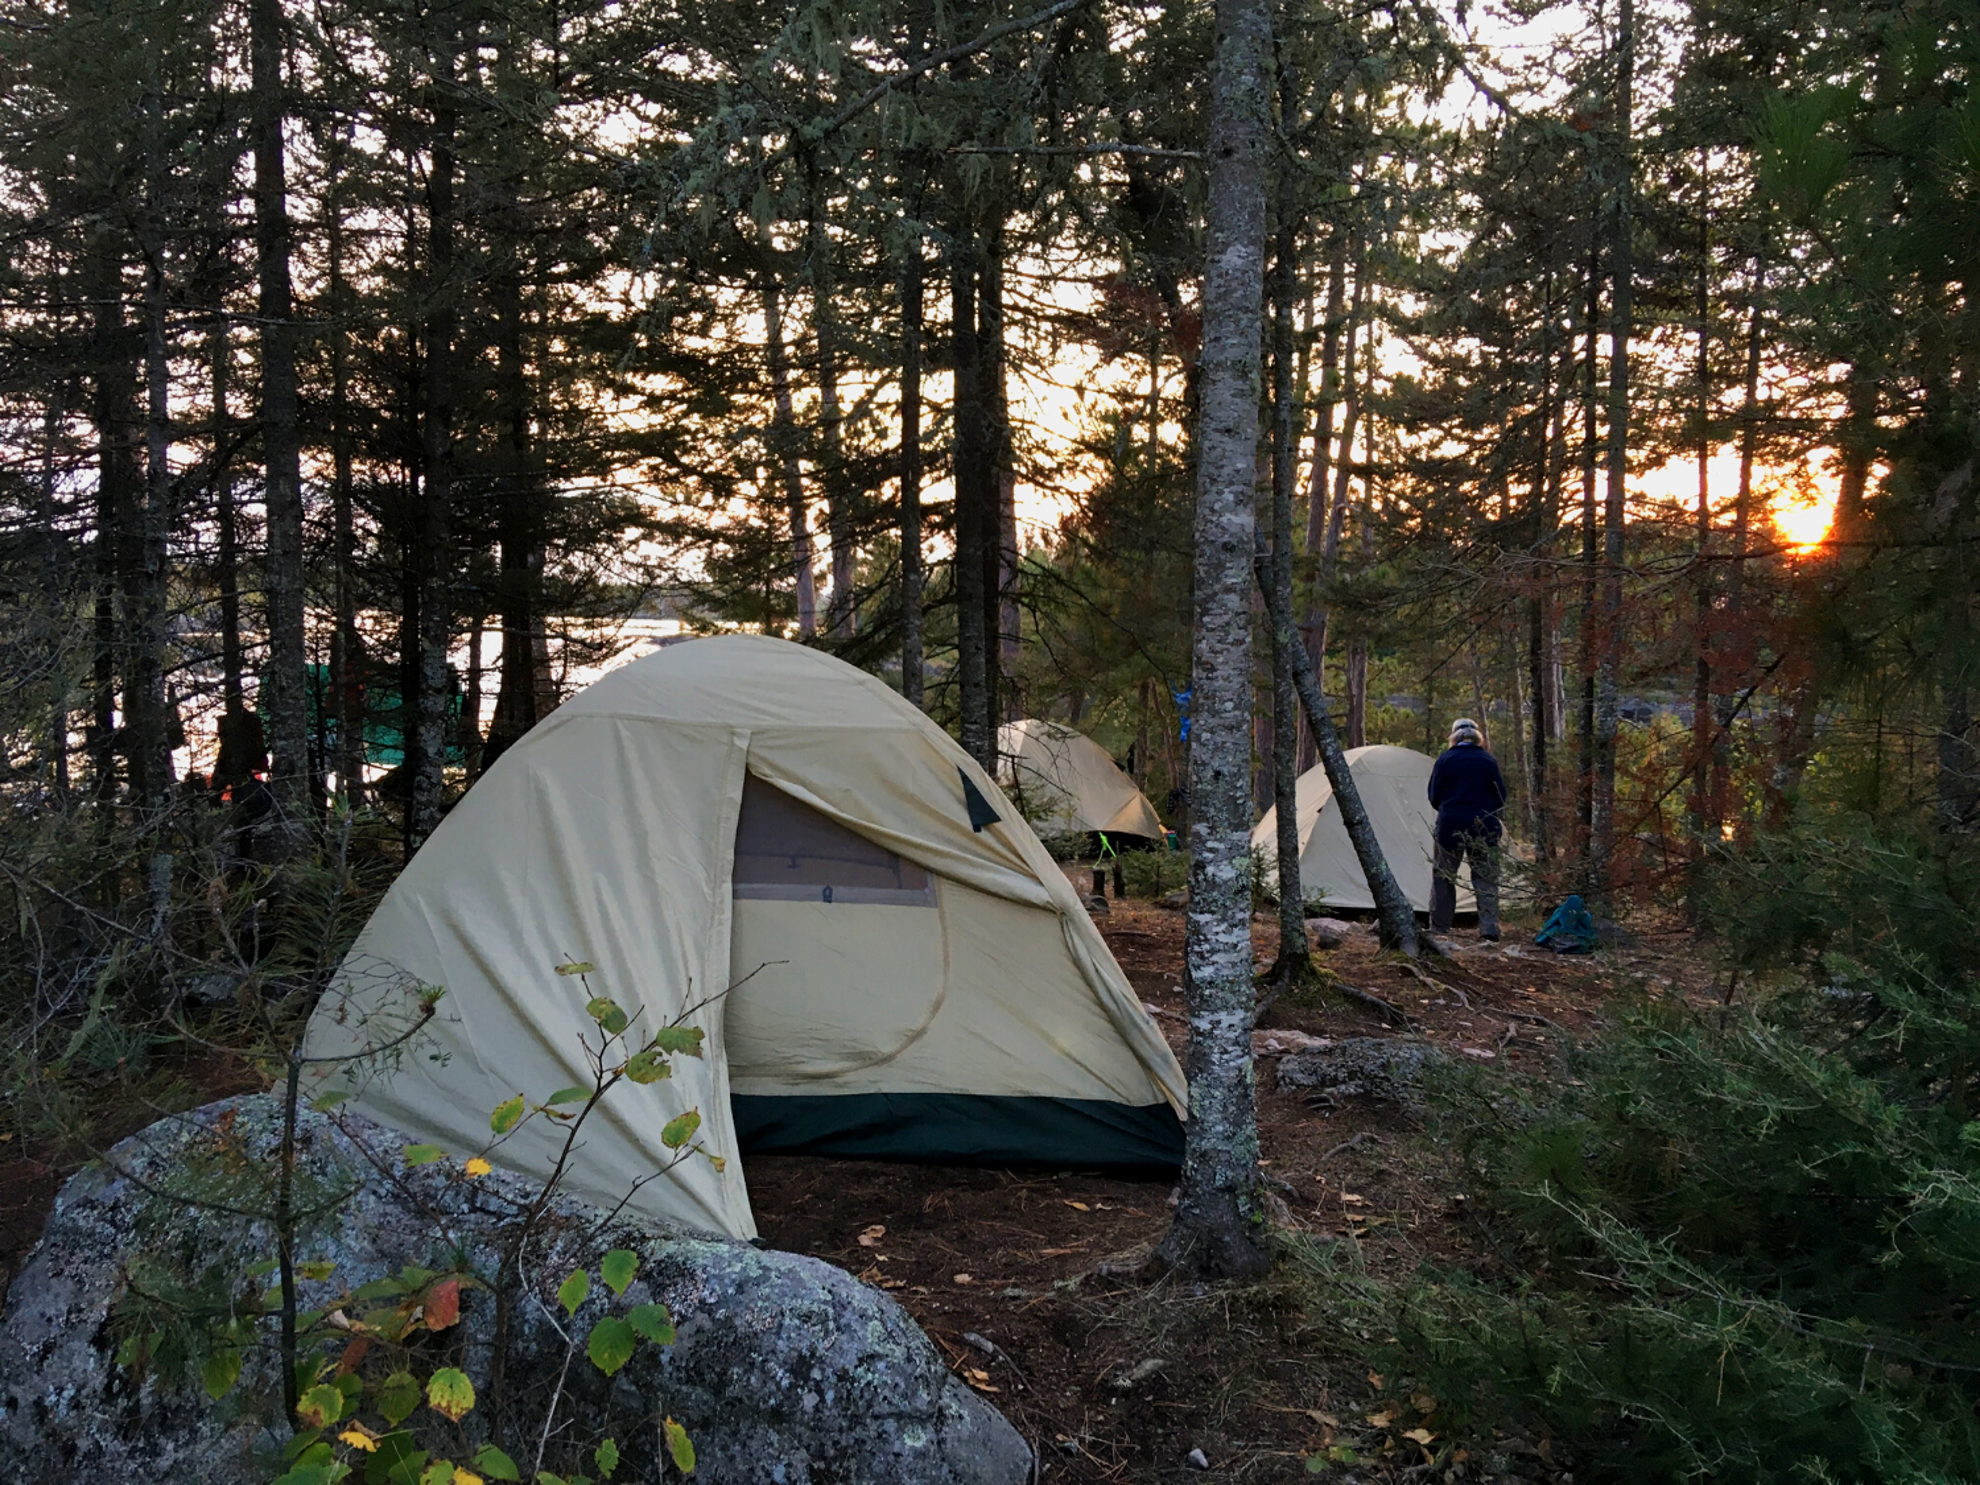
284	719
1220	1218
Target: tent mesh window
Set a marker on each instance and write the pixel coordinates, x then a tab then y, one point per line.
787	852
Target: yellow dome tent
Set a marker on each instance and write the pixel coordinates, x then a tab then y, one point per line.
1395	787
1068	784
914	976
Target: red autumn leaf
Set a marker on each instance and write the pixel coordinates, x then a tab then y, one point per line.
443	1304
353	1356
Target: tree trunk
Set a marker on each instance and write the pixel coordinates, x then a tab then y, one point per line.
1313	624
912	272
1590	574
1294	954
1703	827
519	527
346	648
975	484
281	703
227	577
437	452
1602	820
114	395
1220	1219
999	488
148	746
784	440
1395	920
1735	586
839	518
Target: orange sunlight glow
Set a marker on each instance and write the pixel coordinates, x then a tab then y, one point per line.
1798	499
1801	499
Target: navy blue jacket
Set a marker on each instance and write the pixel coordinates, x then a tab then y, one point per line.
1467	790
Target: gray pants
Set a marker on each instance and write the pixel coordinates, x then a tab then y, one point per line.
1482	853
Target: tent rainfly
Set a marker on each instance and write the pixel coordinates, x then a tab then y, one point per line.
1395	788
772	845
1069	783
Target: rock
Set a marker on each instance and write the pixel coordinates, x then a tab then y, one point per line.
1385	1069
1177	902
1142	1371
1196	1459
1328	933
784	1369
1281	1040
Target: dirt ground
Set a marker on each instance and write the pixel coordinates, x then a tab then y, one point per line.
1028	1281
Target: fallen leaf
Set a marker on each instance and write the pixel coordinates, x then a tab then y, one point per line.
871	1237
1352	1200
1079	1206
964	1279
1328	1419
1481	1053
1381	1420
1375	1380
1420	1435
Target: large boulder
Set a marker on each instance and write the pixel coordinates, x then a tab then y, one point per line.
783	1369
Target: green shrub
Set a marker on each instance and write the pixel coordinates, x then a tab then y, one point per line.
1746	1246
1152	875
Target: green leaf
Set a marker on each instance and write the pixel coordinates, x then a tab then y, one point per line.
221	1371
440	1472
315	1465
506	1114
567	1095
396	1460
317	1268
679	1039
648	1066
397	1396
607	1013
680	1446
492	1464
321	1406
606	1457
677	1132
653	1322
450	1394
610	1345
423	1154
573	1291
578	967
544	1477
618	1269
329	1100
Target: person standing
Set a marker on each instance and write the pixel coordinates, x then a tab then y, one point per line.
1468	791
